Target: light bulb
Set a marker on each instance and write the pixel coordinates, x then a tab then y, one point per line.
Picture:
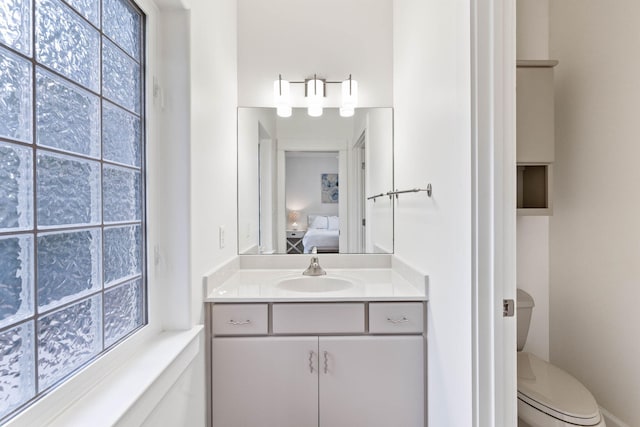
284	111
346	111
315	97
282	97
314	111
349	97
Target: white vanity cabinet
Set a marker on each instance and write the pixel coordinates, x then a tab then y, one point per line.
318	378
268	382
372	381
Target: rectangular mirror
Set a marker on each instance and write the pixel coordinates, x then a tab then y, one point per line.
305	182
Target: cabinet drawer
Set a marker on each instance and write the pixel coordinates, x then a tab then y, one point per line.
318	318
396	318
240	319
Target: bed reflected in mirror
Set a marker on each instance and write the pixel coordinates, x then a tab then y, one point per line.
315	220
304	182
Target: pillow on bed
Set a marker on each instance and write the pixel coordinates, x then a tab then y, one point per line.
319	222
334	223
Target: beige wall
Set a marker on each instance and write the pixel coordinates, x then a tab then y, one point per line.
533	231
533	278
533	29
595	229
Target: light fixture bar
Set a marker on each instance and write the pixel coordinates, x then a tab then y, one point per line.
329	82
314	92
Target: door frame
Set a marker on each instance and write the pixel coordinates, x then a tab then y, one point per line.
493	60
358	210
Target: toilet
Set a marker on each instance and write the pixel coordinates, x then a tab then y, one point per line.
547	395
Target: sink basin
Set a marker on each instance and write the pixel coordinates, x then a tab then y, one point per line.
315	284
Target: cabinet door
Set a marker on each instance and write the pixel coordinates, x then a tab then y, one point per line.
265	382
372	381
535	122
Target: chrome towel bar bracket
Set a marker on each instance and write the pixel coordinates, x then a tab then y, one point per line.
375	197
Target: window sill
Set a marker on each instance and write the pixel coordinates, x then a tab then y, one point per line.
128	394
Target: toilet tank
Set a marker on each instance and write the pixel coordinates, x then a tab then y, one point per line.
524	307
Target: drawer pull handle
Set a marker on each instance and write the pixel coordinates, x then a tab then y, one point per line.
403	319
311	353
239	323
326	362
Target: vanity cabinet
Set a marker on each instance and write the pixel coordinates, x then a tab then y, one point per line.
313	377
269	382
371	381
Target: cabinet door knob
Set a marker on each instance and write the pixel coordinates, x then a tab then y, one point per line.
239	322
397	320
311	354
326	362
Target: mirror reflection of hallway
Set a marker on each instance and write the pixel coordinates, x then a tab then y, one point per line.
267	213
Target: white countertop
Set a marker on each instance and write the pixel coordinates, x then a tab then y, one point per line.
369	284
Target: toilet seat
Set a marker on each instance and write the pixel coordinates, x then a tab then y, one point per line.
553	391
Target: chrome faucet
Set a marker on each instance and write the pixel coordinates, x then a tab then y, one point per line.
314	268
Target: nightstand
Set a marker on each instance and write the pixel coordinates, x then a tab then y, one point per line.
294	241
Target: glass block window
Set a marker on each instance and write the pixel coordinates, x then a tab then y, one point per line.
72	196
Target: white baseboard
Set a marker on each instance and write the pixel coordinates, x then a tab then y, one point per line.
612	420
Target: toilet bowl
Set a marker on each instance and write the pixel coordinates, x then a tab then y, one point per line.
547	395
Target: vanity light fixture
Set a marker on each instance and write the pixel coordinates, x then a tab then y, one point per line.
282	96
315	92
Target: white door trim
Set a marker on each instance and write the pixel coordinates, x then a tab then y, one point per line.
494	215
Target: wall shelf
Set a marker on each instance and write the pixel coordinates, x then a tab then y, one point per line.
534	189
535	136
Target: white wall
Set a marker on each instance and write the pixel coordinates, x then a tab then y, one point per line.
533	231
212	148
268	191
185	402
249	134
186	397
595	229
433	145
172	164
306	129
213	139
377	123
297	38
379	177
